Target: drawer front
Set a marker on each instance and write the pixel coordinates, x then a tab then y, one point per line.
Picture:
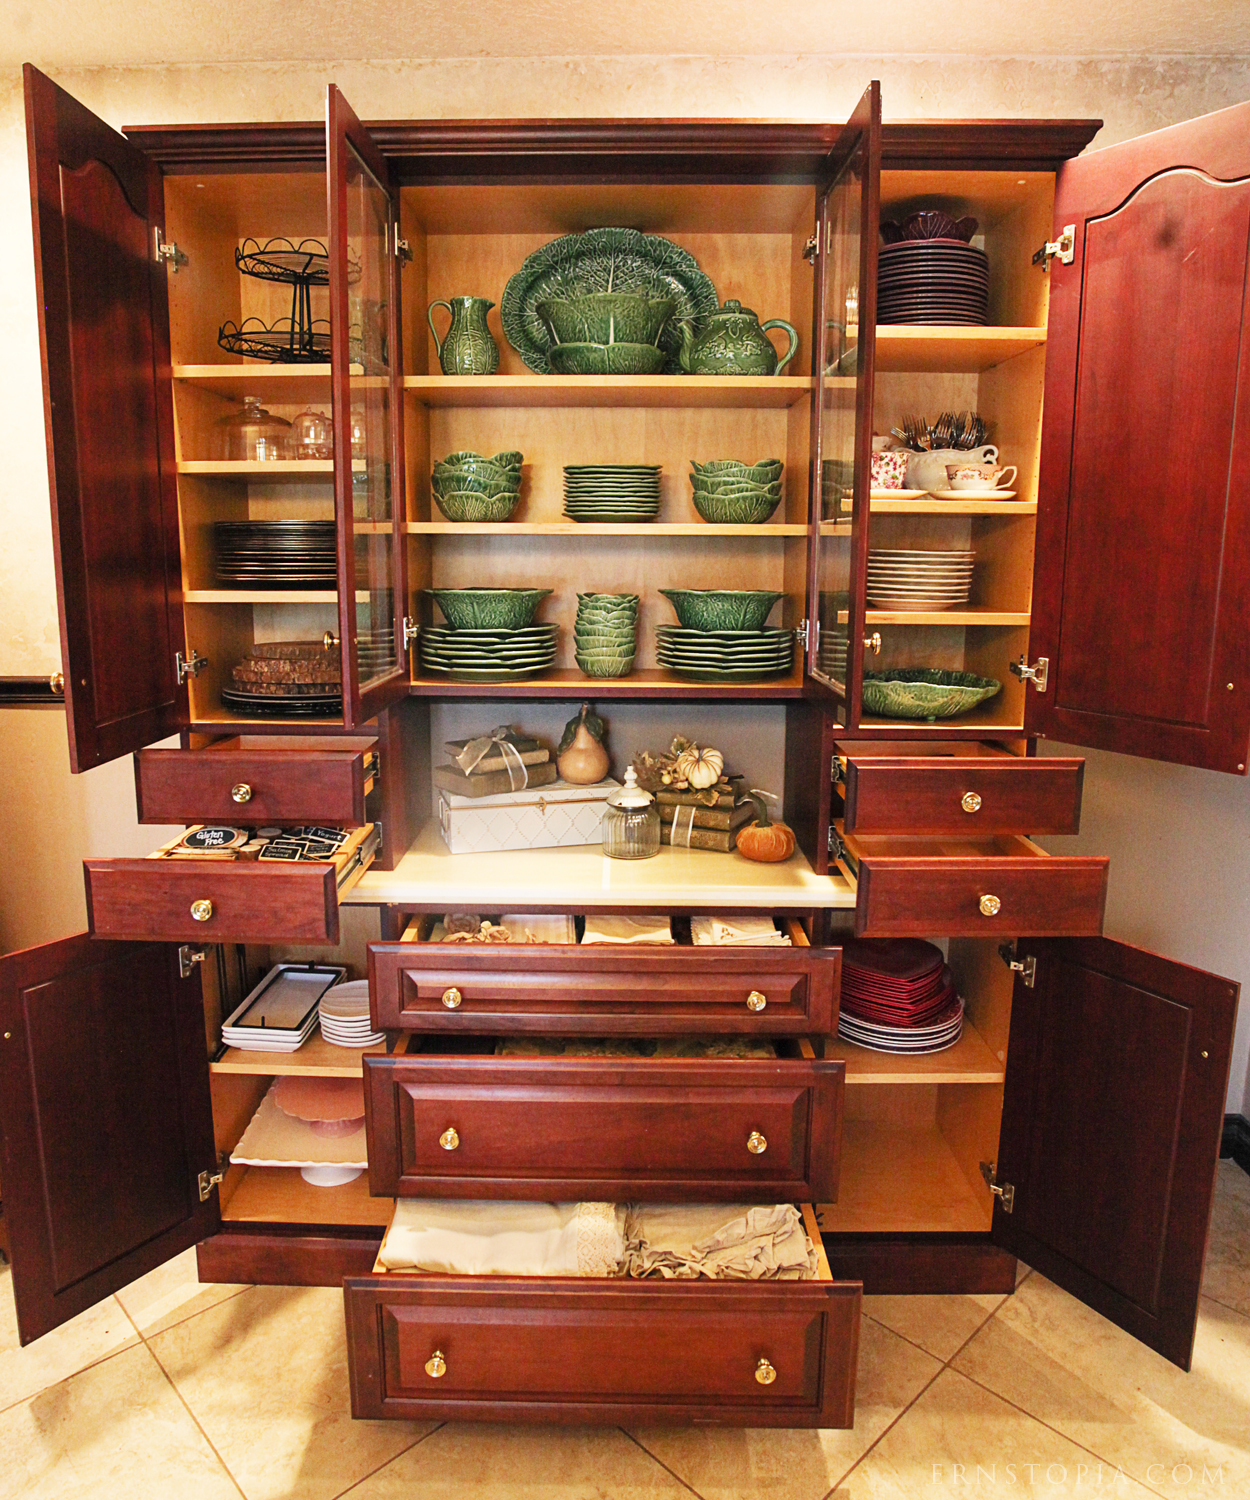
572	1351
558	1129
251	787
590	991
968	897
153	899
967	796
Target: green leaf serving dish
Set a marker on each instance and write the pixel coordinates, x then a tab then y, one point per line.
925	692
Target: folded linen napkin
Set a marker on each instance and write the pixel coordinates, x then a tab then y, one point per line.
752	1242
505	1239
751	932
539	928
646	929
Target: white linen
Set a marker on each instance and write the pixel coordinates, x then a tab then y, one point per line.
647	929
505	1239
739	931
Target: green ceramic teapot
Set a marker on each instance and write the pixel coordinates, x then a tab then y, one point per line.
734	342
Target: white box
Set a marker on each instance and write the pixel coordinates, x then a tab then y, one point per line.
543	817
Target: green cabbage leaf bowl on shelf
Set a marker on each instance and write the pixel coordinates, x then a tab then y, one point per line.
925	692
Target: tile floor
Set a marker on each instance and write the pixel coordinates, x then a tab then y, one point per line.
172	1389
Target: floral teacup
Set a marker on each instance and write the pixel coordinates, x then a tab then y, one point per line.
980	476
889	469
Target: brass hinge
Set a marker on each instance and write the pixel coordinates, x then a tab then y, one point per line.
167	252
188	957
809	249
403	251
1026	967
411	631
189	666
800	630
207	1181
1038	674
1063	249
1004	1191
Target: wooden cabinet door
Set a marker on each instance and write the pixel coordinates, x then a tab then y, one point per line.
366	378
104	344
1142	581
844	336
1113	1105
105	1120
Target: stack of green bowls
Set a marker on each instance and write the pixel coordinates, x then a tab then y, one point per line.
468	487
604	634
729	492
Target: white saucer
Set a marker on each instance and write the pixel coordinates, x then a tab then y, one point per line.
973	494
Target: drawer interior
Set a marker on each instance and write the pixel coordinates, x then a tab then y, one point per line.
426	927
444	1044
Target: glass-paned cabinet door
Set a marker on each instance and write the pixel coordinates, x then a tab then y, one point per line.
846	261
368	393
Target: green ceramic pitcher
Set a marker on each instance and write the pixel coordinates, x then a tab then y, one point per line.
469	348
734	342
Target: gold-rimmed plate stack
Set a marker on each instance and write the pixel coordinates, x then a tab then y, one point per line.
907	579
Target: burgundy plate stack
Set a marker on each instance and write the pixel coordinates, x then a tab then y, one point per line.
898	996
928	273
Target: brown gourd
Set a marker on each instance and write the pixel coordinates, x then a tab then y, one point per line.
764	841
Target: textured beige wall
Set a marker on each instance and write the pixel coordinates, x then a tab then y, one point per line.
1179	840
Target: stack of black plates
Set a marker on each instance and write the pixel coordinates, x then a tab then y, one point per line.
286	679
276	554
932	281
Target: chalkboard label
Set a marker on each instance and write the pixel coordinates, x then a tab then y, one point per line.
214	838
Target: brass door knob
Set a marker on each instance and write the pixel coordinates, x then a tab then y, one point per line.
756	1001
436	1365
764	1372
450	1139
241	792
330	641
201	910
873	643
990	906
452	998
970	802
756	1143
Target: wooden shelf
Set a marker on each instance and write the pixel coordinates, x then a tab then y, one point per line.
900	1179
647	682
285	468
932	507
267	596
279	1195
317	1058
760	391
282	384
968	1061
982	722
951	350
766	532
946	617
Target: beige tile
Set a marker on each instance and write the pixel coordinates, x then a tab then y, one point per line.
942	1325
93	1335
265	1375
723	1463
958	1440
1080	1374
1226	1276
465	1461
171	1293
114	1432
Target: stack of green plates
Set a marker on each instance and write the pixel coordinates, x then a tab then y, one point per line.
724	655
488	655
612	492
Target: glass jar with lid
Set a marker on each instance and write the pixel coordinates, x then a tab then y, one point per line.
251	435
631	822
312	435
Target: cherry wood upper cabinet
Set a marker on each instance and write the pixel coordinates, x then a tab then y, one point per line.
1142	581
1113	1102
105	1120
104	343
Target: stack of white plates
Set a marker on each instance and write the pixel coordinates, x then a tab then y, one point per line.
919	580
345	1016
280	1014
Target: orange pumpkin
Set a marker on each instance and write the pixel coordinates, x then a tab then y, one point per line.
765	842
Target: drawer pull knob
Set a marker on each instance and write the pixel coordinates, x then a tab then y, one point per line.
756	1143
756	1001
990	906
764	1372
436	1365
450	1139
971	802
241	792
452	998
201	910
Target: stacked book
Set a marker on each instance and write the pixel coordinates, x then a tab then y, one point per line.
502	761
693	820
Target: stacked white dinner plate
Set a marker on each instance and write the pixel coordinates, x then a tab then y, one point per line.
919	580
345	1016
280	1014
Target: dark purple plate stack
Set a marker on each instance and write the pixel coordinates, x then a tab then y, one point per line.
898	996
928	273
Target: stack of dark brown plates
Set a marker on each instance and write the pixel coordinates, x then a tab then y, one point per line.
898	996
932	281
287	679
275	554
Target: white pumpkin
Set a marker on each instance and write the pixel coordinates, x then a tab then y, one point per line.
701	768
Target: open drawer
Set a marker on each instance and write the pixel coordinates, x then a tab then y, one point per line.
168	899
914	887
600	989
956	787
457	1121
257	779
695	1353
